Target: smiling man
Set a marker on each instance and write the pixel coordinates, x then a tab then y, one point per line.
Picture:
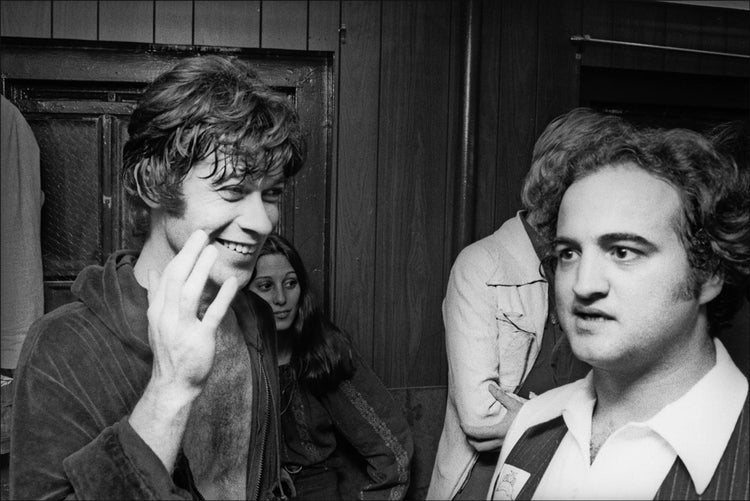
158	382
652	252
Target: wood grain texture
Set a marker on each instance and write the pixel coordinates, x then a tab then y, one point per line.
639	22
228	23
127	21
26	18
734	35
356	177
323	25
680	31
173	22
74	19
597	22
284	24
558	79
411	189
519	86
488	117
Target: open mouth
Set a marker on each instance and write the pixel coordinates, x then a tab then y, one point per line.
591	318
236	246
591	315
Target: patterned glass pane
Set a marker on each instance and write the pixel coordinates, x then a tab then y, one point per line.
71	215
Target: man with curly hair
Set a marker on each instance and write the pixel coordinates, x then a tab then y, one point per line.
158	382
652	253
503	340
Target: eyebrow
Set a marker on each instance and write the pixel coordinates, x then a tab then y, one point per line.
610	239
613	238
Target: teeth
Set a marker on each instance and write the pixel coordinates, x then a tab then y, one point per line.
242	249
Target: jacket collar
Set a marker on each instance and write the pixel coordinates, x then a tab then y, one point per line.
518	263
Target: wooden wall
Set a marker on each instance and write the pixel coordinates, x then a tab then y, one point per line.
398	88
396	73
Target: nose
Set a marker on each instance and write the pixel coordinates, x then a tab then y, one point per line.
256	216
590	278
279	296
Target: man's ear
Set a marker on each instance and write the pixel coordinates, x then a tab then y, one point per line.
144	193
710	288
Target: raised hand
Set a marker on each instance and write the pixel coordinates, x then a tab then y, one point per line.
182	343
487	438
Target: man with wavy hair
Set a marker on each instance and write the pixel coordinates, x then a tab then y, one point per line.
158	382
652	254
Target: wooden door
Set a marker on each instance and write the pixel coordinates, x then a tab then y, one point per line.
77	98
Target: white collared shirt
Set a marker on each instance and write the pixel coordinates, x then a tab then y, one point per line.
634	460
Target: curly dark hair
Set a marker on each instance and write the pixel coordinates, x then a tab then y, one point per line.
714	225
205	106
322	354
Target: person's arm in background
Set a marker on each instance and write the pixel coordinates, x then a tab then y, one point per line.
367	416
469	314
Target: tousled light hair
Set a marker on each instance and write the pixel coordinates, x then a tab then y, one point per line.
321	352
566	137
205	107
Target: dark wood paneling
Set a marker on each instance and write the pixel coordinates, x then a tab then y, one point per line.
680	31
173	22
487	118
74	19
557	81
356	177
519	87
127	21
26	18
411	189
640	22
735	28
323	25
284	24
700	27
461	141
597	22
227	23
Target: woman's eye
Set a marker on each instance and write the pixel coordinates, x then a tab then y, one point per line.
291	284
263	286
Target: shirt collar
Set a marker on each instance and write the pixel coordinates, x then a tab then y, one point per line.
578	412
517	260
699	424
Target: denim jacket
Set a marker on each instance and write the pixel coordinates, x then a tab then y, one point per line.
494	311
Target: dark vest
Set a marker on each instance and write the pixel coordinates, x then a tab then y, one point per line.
731	480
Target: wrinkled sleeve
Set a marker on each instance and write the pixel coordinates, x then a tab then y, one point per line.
469	311
64	446
367	416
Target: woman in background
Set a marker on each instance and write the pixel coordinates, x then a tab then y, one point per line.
331	402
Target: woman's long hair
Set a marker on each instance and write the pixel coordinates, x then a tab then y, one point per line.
321	352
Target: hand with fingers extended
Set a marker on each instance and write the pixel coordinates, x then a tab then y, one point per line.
183	344
488	438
